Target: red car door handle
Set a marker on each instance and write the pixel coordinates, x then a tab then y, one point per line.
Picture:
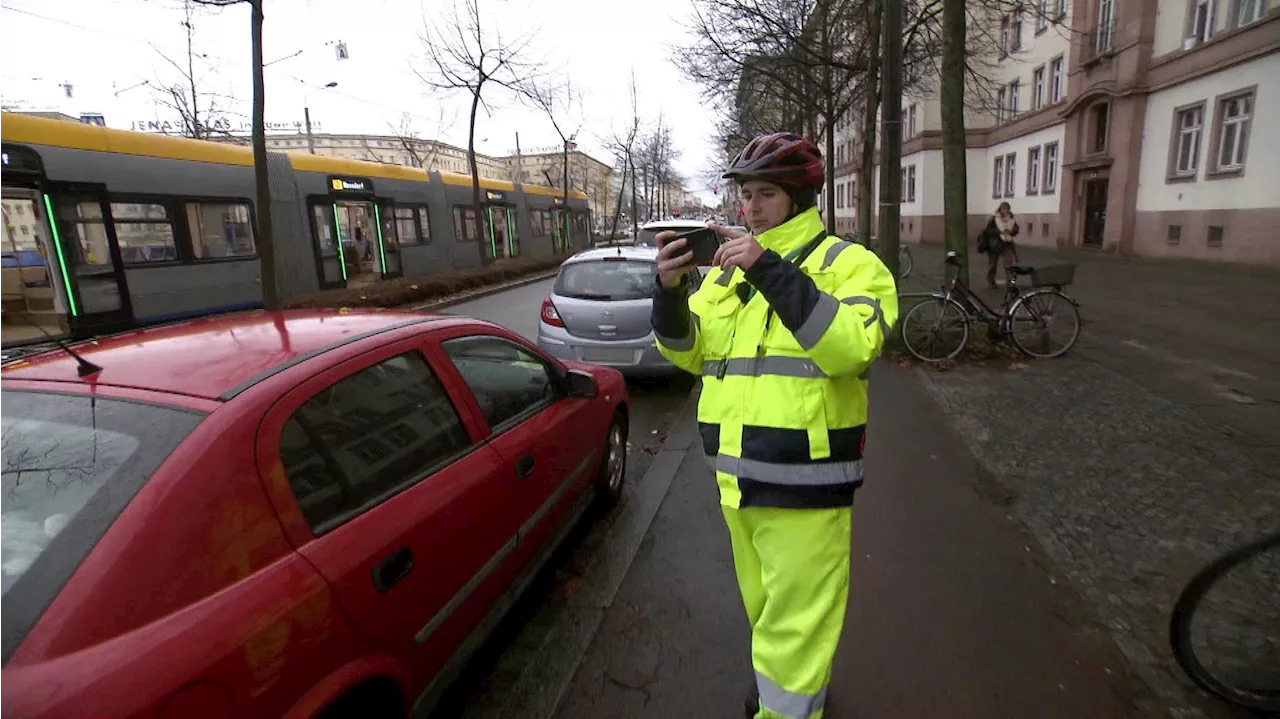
392	569
524	467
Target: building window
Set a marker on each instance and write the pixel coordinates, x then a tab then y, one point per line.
1234	115
1215	236
1190	122
1056	87
1100	121
1201	21
1005	30
1015	30
1014	88
1037	88
1044	229
852	193
1175	234
1043	8
909	183
1010	173
1105	38
220	229
1001	96
1050	183
911	121
1033	171
1250	11
144	232
1062	9
997	178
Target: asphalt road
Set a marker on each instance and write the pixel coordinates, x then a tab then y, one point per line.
655	403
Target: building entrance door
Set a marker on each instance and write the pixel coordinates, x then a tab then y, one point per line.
1095	212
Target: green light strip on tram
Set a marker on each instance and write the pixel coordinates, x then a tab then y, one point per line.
493	242
337	231
382	252
62	263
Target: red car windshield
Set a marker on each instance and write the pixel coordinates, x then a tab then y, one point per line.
59	453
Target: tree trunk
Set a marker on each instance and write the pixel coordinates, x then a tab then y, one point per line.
871	103
831	171
635	217
955	191
891	139
565	235
198	132
476	206
622	187
265	239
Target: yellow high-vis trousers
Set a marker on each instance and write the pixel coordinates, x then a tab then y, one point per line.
793	570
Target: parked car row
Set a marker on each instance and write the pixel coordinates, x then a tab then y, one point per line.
300	515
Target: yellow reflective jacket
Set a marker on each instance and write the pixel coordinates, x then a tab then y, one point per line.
783	353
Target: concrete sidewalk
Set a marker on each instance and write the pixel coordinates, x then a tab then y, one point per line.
955	611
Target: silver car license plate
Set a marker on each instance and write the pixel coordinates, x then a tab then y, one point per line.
608	354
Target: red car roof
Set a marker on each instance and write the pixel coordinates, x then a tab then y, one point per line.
210	356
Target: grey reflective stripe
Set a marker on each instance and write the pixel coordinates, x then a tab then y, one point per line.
776	365
725	278
684	344
833	252
789	704
877	314
791	474
820	318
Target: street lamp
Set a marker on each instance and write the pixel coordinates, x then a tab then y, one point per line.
306	114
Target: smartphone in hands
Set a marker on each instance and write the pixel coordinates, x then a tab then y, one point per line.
702	242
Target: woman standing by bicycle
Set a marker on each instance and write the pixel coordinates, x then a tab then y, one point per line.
998	240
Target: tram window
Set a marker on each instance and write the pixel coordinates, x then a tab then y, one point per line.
91	246
220	229
465	231
412	226
144	231
541	222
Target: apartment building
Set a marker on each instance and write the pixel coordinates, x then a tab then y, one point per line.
1124	127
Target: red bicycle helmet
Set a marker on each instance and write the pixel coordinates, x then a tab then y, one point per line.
783	158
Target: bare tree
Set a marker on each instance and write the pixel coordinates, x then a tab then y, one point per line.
264	238
624	144
561	102
796	65
421	153
183	93
462	54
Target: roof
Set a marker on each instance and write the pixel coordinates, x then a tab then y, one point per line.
211	356
27	129
628	251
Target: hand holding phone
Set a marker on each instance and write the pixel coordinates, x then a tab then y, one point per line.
702	243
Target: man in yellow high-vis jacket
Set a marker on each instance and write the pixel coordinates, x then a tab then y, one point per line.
782	331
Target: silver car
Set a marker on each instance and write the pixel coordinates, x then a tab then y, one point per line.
598	310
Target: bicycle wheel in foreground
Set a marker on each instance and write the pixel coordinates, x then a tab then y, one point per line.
1043	323
1225	627
935	329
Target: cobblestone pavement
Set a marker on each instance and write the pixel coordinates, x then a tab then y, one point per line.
1149	450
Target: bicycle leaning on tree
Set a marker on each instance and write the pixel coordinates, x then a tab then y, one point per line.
905	260
1041	320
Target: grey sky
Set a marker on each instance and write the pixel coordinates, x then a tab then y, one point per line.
104	46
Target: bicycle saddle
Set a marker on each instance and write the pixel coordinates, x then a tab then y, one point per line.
1021	270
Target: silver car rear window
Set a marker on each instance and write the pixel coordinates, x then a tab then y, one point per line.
608	279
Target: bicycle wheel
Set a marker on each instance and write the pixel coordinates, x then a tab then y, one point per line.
1226	660
905	261
935	329
1043	323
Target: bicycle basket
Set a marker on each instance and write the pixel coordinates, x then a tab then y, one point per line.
1053	276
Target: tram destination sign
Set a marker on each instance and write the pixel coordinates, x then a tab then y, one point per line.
350	184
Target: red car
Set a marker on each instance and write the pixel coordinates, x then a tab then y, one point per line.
316	514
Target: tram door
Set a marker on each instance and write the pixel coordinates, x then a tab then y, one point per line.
503	240
388	246
63	262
